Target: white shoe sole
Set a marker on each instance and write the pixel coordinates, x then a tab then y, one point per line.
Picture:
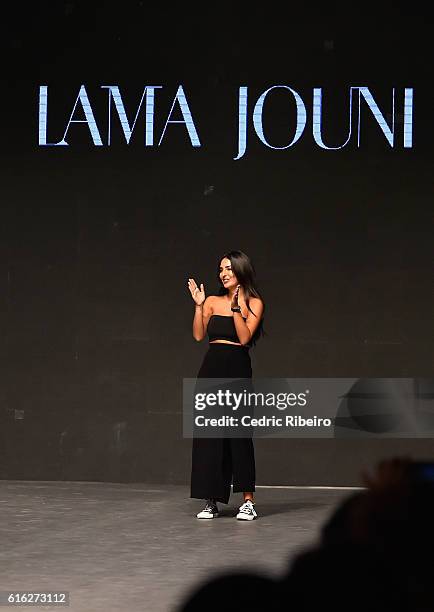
207	516
242	517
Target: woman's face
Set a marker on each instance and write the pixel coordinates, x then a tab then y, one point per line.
227	276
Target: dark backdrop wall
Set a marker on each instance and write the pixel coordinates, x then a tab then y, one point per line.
98	242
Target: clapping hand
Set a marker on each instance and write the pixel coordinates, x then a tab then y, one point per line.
197	294
234	303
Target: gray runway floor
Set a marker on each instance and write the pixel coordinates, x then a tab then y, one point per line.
137	547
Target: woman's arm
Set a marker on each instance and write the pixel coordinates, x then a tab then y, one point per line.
201	317
246	329
202	309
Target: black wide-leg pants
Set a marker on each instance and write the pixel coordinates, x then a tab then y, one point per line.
216	462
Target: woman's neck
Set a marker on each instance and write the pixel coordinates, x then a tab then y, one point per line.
231	293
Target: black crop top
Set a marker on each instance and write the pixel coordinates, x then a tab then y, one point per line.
222	327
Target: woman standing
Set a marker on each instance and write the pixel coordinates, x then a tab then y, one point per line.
233	322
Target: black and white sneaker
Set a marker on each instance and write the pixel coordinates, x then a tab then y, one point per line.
210	511
247	511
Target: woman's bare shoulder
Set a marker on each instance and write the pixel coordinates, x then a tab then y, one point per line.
216	301
217	298
211	300
256	304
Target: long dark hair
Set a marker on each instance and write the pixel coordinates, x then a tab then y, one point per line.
243	269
